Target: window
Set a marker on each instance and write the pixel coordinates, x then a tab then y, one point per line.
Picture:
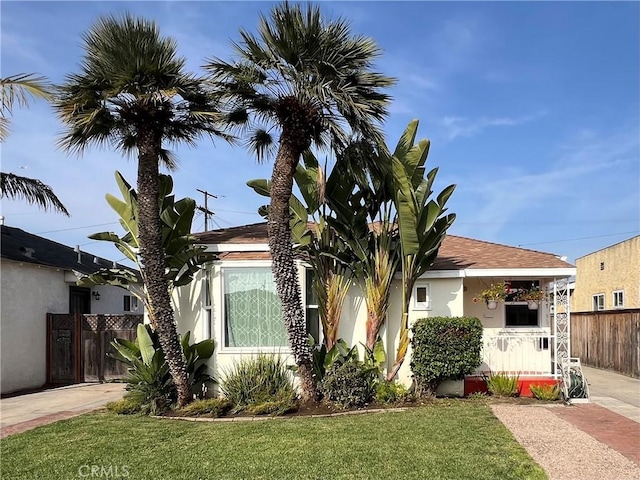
618	299
422	297
252	314
518	314
311	311
206	305
598	302
130	303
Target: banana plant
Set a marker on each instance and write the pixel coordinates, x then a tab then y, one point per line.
183	257
149	382
422	222
326	252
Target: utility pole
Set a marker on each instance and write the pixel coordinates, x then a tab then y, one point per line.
207	213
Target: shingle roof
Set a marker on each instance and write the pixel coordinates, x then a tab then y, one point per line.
21	246
456	253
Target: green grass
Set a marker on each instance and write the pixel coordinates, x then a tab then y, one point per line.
446	440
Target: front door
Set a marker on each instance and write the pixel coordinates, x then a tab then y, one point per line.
79	300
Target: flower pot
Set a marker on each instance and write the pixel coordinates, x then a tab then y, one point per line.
492	304
533	305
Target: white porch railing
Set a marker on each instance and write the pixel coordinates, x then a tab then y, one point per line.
524	353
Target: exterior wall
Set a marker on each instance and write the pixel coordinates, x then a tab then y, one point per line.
506	349
621	272
28	294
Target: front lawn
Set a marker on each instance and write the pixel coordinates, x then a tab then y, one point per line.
447	440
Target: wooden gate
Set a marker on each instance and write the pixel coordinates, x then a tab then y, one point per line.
97	333
63	346
77	346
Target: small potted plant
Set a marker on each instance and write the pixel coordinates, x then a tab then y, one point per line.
496	292
533	296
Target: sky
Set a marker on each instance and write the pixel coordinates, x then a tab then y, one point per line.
532	109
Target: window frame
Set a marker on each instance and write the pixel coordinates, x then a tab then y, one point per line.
284	349
615	299
525	304
132	300
596	303
427	304
207	305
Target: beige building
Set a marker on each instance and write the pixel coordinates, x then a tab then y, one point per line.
608	279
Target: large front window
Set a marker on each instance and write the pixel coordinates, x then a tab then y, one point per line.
252	314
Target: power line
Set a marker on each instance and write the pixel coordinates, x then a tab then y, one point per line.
78	228
574	239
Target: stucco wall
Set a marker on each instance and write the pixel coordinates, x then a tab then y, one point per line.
621	272
446	297
520	349
28	294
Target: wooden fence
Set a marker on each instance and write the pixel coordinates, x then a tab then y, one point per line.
77	346
607	339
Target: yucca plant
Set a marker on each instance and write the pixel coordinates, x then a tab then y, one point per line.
502	385
546	391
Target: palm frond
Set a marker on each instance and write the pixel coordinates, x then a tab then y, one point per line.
131	78
296	53
15	90
31	190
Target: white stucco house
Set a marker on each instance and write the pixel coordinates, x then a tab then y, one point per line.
37	278
234	301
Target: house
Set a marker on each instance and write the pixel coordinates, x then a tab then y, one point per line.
608	279
38	279
234	302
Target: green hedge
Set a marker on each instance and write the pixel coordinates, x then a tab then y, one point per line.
444	348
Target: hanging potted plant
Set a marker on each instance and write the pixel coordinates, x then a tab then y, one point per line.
533	296
496	292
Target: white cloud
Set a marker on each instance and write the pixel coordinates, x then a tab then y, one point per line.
454	127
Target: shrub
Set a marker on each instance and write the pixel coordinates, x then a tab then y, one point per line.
214	407
284	402
391	392
124	406
546	391
444	348
257	380
149	382
350	384
502	385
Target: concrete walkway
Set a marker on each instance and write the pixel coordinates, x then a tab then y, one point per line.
618	393
28	411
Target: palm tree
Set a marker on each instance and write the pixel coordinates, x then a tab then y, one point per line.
311	82
132	93
15	90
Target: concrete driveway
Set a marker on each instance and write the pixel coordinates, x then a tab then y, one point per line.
618	393
31	410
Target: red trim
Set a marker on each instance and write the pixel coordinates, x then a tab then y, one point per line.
475	384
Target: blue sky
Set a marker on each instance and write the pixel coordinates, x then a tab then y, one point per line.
533	110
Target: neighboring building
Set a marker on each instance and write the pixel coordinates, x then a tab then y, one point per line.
234	301
608	279
37	278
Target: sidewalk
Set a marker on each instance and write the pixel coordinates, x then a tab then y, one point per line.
24	412
618	393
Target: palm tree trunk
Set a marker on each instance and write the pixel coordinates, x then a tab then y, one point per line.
284	269
153	262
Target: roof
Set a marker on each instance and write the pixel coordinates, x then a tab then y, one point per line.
456	253
21	246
